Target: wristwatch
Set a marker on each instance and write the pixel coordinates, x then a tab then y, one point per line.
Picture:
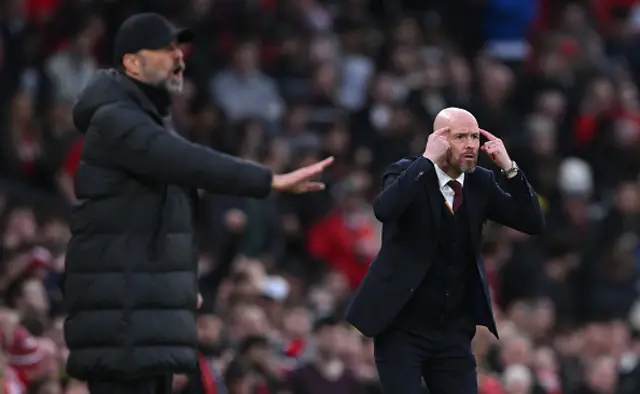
511	171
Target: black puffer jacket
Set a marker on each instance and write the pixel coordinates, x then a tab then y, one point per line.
131	268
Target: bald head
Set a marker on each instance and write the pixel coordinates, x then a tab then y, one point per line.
463	137
454	118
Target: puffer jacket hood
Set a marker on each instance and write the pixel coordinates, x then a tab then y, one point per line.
103	89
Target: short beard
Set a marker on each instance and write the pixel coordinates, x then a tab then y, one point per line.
468	169
173	86
461	169
169	84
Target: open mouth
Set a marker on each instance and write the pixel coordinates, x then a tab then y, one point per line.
178	70
469	156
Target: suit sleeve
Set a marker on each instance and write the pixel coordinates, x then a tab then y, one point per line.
518	207
401	183
148	150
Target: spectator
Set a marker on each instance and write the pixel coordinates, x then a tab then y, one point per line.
243	91
326	372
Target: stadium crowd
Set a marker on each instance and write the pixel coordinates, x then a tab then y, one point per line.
285	82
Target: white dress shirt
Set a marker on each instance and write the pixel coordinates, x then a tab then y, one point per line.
447	192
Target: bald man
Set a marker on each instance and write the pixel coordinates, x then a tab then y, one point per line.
427	289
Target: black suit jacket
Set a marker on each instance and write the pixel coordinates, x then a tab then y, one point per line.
409	207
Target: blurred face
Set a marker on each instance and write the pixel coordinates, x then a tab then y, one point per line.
331	341
83	45
209	328
159	67
407	32
337	284
325	79
603	93
337	140
404	60
459	72
574	17
22	106
517	350
22	222
242	386
543	319
602	375
596	338
552	103
253	320
298	323
545	360
627	198
56	232
517	387
434	76
464	141
246	58
384	89
35	297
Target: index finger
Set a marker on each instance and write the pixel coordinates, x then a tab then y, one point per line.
488	135
315	168
441	131
326	162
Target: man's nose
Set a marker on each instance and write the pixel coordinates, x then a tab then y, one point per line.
178	54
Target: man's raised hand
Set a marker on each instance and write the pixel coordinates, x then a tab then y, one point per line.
300	180
496	150
437	145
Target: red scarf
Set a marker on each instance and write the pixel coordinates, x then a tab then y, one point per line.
208	380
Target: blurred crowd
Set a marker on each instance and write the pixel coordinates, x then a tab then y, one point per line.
286	82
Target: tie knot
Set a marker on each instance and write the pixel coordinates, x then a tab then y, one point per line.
456	187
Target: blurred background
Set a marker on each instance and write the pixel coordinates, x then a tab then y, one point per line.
286	82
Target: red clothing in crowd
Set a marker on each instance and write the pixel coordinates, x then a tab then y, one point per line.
41	10
602	10
208	380
333	241
71	161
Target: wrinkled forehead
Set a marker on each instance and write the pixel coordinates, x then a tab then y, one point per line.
470	128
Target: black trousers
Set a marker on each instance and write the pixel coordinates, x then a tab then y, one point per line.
158	385
442	358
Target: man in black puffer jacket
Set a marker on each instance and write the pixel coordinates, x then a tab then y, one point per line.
131	269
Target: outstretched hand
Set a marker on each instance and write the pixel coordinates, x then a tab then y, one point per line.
496	150
300	181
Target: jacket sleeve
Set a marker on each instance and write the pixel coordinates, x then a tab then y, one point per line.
401	182
518	207
148	150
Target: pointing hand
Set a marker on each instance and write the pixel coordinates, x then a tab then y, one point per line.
299	181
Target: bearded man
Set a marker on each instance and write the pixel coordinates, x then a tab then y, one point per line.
427	289
130	282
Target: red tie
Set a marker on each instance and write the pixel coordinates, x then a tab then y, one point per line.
457	197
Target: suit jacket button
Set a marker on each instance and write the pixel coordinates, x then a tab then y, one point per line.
411	289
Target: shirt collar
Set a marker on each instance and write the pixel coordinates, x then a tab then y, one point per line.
443	178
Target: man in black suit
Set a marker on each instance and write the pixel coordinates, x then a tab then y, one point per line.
427	289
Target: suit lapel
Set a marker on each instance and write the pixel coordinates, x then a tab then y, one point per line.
473	198
436	200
